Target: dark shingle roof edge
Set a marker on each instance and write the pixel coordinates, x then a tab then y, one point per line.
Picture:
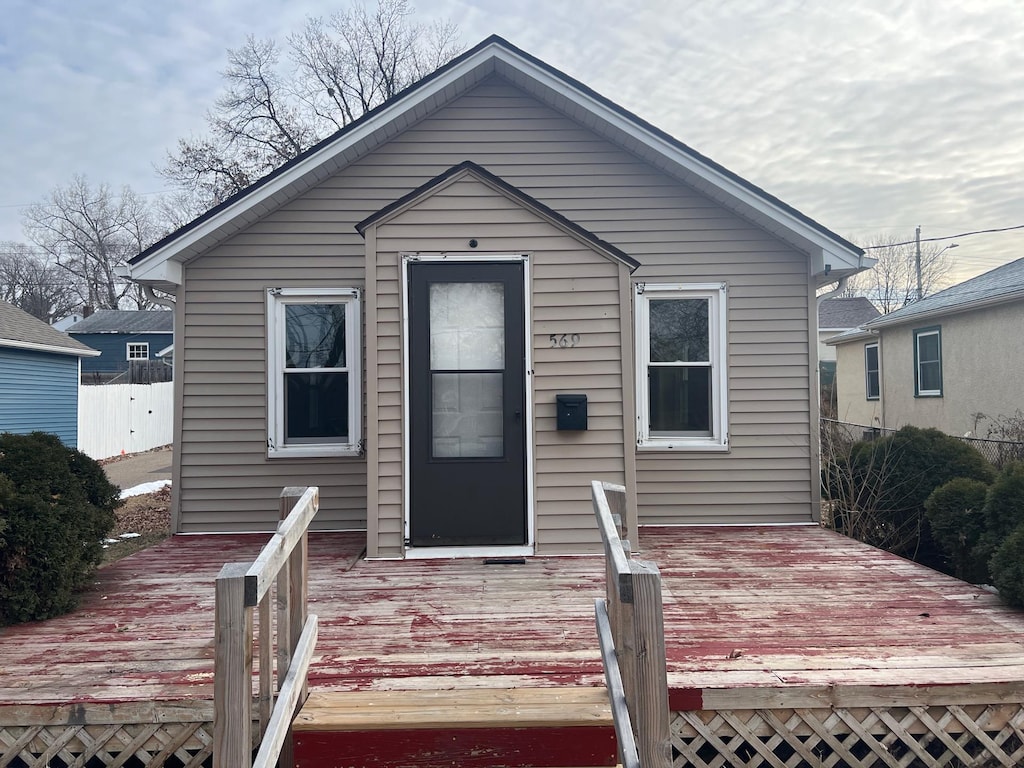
495	40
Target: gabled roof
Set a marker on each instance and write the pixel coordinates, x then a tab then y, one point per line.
19	330
849	312
126	321
161	263
1002	284
468	168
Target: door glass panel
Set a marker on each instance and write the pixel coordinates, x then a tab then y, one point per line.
467	326
467	415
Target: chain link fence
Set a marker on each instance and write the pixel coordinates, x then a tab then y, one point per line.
839	435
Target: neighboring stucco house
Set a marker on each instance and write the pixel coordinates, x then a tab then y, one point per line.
941	361
122	336
39	376
837	316
455	313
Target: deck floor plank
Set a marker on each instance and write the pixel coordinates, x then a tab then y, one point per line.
745	608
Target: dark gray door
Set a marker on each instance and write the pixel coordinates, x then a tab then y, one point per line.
467	399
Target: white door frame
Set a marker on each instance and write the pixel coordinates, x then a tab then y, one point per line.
496	551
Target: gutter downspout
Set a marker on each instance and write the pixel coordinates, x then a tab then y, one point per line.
163	302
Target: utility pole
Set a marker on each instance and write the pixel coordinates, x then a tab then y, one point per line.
917	262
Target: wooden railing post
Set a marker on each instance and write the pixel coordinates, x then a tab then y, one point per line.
232	717
292	601
637	628
646	646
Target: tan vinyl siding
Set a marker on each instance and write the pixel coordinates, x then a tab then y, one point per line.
676	234
563	273
226	482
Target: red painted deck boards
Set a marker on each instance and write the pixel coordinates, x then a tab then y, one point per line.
745	608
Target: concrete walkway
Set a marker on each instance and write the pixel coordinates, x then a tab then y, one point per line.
140	468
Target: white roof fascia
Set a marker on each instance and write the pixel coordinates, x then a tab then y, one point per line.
822	249
861	334
828	248
49	348
159	268
192	239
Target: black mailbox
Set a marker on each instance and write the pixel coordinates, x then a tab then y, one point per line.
572	411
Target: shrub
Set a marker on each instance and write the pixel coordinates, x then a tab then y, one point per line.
56	505
891	477
1003	512
955	515
1007	568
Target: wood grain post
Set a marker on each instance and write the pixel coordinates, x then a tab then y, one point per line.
292	597
232	686
645	651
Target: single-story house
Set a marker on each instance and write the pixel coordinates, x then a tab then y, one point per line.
836	316
122	336
950	361
39	376
493	288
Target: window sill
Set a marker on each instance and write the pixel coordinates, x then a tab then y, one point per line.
677	446
928	394
313	452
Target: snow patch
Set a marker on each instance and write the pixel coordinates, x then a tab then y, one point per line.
138	490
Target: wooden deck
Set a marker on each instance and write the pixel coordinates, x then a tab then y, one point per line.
786	617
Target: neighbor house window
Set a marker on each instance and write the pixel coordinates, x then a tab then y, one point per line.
138	351
928	362
872	384
681	372
313	371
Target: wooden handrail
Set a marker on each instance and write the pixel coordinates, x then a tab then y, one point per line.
628	754
240	588
636	637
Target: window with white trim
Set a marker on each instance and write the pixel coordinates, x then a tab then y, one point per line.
928	362
137	350
682	388
872	382
313	376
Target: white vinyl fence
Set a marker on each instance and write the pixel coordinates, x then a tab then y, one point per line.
124	418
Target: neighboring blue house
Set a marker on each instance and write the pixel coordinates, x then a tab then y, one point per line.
39	376
122	336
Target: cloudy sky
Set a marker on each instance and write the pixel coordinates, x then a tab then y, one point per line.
872	117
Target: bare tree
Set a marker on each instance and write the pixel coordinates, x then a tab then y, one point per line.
30	282
88	231
271	111
892	282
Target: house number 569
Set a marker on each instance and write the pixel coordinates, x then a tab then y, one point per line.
564	340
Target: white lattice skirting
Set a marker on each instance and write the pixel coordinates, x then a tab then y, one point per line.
901	737
163	745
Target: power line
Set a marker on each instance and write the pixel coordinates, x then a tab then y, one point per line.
947	237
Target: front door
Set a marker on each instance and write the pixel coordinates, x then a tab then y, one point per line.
467	399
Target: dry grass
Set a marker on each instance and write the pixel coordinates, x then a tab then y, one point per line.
142	521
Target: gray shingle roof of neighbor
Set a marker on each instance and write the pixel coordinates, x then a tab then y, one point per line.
126	321
846	312
19	330
1005	283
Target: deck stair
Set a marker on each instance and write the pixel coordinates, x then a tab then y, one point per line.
471	728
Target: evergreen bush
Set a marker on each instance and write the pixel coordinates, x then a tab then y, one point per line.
56	505
1007	568
891	477
957	523
1003	512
